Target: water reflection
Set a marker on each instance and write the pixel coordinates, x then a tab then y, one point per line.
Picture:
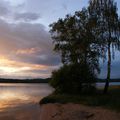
15	95
7	95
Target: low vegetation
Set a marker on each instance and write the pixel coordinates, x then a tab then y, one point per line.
110	101
72	79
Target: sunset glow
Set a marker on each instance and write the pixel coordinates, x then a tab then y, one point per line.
26	46
8	67
28	51
7	97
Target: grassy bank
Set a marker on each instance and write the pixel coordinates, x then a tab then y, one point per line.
110	100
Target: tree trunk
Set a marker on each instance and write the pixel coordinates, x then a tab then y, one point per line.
108	70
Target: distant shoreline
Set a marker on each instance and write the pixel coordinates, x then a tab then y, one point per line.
2	80
41	80
111	80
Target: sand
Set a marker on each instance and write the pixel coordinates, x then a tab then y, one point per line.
59	112
76	112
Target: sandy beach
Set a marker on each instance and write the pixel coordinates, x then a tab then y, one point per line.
76	112
60	112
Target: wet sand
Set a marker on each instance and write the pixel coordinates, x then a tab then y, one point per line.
27	112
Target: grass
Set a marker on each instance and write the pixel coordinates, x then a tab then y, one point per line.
110	100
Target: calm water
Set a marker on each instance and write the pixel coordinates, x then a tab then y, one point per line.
21	101
101	85
16	96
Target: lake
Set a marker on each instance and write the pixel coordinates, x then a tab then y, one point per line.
102	84
21	101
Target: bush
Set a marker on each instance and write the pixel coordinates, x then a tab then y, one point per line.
73	78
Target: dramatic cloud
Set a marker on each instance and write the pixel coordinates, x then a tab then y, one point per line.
9	12
3	8
35	44
14	68
26	49
26	16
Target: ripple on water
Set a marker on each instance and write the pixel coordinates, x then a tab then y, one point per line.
20	95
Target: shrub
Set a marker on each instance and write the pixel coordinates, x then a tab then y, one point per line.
73	78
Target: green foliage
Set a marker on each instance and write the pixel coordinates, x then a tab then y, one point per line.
74	78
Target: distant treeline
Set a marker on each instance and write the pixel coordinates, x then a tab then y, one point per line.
39	80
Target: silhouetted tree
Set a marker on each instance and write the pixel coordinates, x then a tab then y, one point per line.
109	25
73	78
74	38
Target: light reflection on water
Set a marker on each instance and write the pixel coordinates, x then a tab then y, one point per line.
15	95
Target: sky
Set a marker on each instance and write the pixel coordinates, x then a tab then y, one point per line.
26	49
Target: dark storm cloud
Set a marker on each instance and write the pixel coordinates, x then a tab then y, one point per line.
26	16
48	59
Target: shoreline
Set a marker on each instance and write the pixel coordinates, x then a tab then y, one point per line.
58	111
27	112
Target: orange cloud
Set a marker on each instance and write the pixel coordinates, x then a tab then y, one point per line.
8	66
28	51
